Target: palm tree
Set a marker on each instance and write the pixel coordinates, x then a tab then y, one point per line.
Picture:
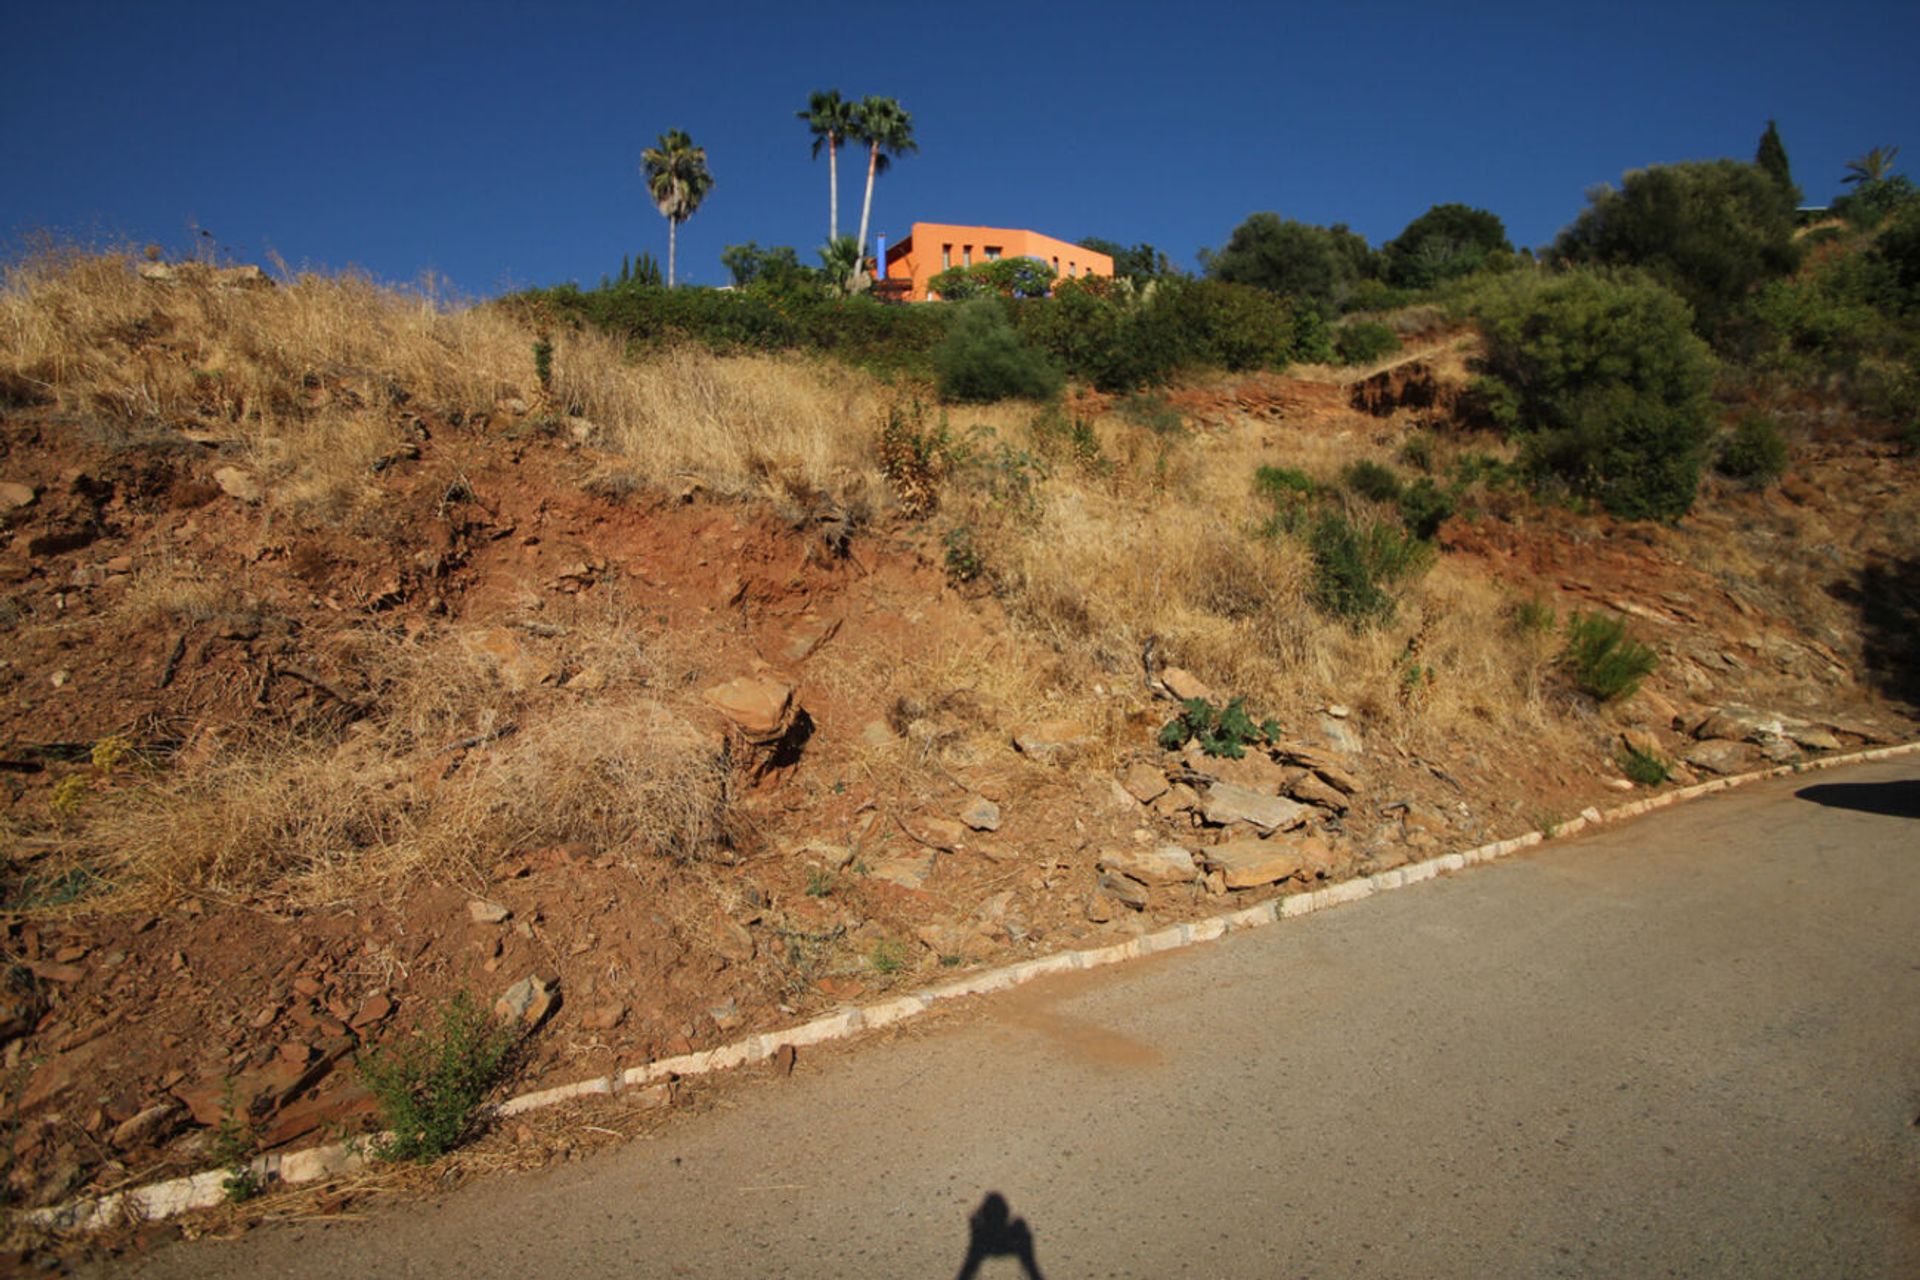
888	132
831	119
1871	167
677	180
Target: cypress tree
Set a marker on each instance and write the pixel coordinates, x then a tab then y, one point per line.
626	268
1771	160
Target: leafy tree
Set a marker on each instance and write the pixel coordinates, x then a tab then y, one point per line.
1317	264
1140	263
840	264
1446	241
1709	230
1605	379
887	131
1771	159
749	264
677	180
1877	189
831	120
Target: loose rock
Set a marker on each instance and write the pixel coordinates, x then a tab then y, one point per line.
1162	864
981	814
761	707
238	484
1226	803
1247	864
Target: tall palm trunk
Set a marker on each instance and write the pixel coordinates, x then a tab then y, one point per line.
833	189
866	205
673	226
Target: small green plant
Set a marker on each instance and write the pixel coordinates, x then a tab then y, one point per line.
963	558
1602	659
1372	480
1754	451
887	956
1292	494
543	361
1641	767
69	797
1535	616
1417	452
1355	565
820	883
234	1146
1220	731
429	1085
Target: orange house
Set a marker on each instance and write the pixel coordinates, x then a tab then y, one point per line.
932	247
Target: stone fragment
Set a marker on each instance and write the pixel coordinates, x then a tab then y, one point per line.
1733	723
1226	803
1813	737
761	707
502	650
1052	741
1179	798
1184	685
1160	864
1722	757
527	1002
909	871
1642	741
981	814
1099	908
14	495
146	1126
808	634
943	834
1144	782
1338	778
373	1009
1247	864
483	912
1256	770
1312	789
1124	889
238	484
1340	731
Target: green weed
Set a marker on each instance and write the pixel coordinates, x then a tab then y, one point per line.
1602	659
429	1086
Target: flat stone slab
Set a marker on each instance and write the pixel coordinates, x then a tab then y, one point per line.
1157	864
1226	803
1248	864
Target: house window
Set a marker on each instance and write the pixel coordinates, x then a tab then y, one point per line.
946	256
1056	266
966	254
993	253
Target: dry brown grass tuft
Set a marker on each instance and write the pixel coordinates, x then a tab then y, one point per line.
463	762
741	425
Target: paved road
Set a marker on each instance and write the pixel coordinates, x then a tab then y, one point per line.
1689	1046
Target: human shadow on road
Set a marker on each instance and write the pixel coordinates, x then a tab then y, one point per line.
993	1232
1897	799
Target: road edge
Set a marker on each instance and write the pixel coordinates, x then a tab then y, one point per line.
203	1190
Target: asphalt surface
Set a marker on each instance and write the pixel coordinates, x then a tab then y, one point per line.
1686	1046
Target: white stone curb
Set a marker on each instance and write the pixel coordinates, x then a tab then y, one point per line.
203	1190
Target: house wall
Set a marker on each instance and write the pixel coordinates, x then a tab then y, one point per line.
932	247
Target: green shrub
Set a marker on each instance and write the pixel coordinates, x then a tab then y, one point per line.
1223	731
982	358
1312	337
1754	450
1292	494
1641	767
1005	277
1417	452
429	1087
1608	384
1372	480
1602	659
1355	565
1364	341
1424	507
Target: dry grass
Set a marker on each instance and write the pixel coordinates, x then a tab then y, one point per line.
462	763
1097	541
741	425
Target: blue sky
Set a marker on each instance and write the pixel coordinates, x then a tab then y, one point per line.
497	145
